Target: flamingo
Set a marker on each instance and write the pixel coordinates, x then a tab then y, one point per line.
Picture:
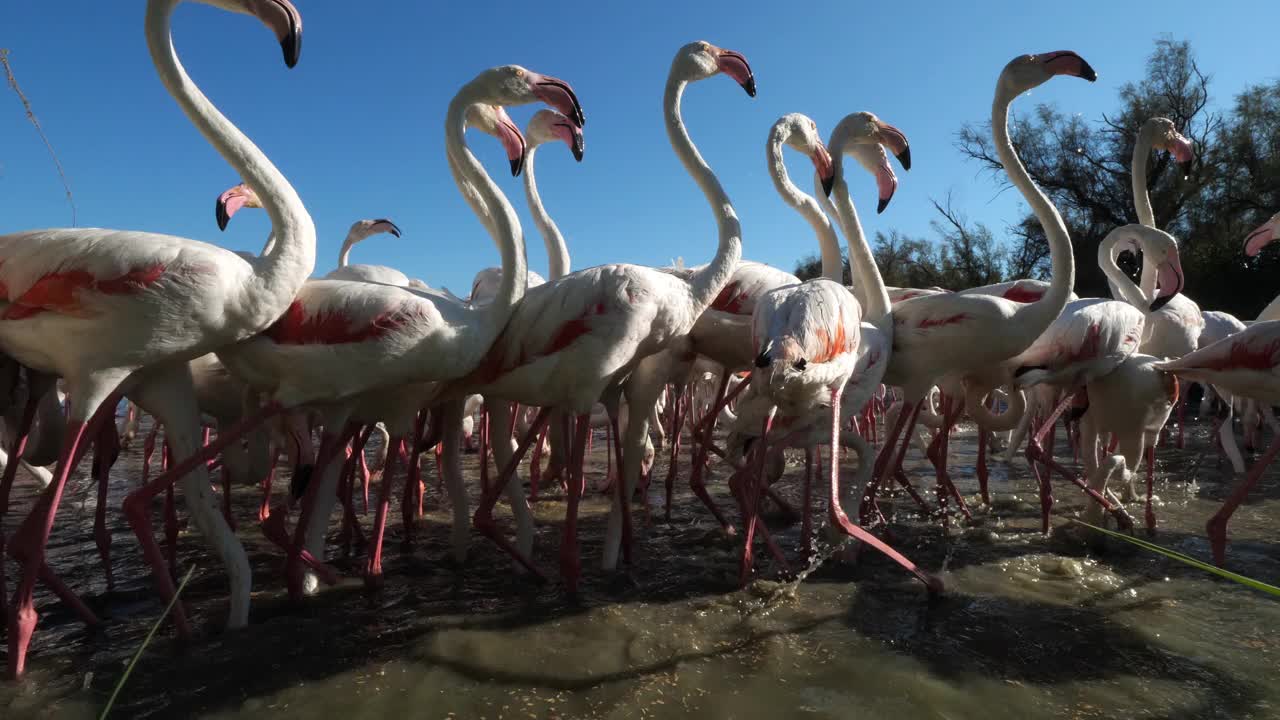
578	338
1246	364
544	127
405	340
117	312
971	336
1174	327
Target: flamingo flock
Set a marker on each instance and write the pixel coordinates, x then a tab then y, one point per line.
241	358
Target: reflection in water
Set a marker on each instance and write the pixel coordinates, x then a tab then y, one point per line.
1030	626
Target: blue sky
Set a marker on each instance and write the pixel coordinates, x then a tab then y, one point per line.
357	126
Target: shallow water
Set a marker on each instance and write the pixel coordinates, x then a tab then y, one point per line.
1031	626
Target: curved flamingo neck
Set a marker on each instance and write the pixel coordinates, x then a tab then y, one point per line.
1039	314
832	263
707	282
344	255
862	262
287	262
504	227
1138	170
1120	283
557	251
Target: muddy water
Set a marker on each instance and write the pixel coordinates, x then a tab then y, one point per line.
1031	626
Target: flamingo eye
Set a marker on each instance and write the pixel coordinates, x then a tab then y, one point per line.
801	364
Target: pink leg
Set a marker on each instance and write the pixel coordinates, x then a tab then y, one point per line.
264	508
482	520
10	471
570	558
373	571
806	529
748	494
137	507
680	403
535	465
700	446
1036	454
32	536
1217	525
842	522
105	451
869	505
170	516
330	444
620	488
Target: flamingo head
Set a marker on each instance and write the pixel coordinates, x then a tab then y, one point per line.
231	200
801	134
1165	136
1029	71
550	126
1266	233
701	60
362	229
493	120
509	85
279	15
1161	248
866	137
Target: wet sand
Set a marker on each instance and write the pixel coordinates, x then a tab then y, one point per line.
1031	626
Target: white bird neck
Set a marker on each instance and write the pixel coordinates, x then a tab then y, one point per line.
288	261
1120	283
707	282
1062	265
832	263
557	250
504	227
870	286
1138	171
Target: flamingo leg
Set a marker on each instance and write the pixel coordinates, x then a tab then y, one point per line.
806	529
298	554
570	559
105	451
32	536
1217	525
1151	479
137	506
700	446
373	570
482	520
680	402
841	521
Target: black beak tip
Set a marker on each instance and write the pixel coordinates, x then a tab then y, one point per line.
578	151
750	86
763	360
827	184
904	157
1160	302
292	47
220	211
394	229
884	203
1087	72
517	164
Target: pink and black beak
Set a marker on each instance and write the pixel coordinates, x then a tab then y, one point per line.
826	169
229	202
572	136
1183	154
285	19
1066	62
1258	239
1168	282
735	66
894	139
512	141
558	95
386	226
886	183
